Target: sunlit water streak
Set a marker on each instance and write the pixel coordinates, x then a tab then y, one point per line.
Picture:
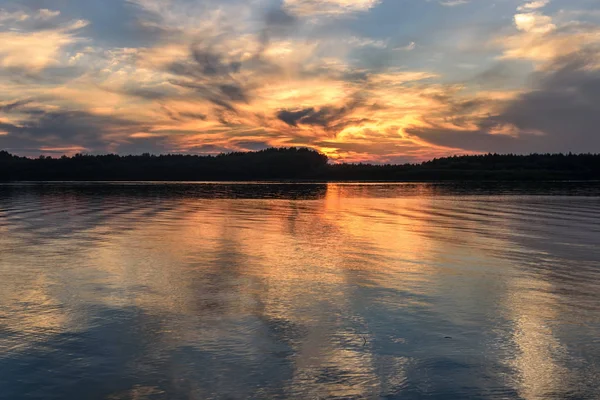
235	291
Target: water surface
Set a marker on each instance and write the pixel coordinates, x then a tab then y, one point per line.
305	291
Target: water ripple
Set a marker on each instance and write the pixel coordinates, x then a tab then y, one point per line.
214	291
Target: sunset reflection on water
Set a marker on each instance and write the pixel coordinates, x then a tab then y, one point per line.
297	291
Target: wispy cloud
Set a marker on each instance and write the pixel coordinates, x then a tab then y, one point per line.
453	3
409	47
533	5
329	7
36	50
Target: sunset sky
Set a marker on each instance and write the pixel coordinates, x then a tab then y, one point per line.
360	80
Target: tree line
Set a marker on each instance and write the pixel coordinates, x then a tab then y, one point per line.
294	164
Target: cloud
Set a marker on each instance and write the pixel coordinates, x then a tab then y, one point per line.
542	41
46	14
8	107
38	49
32	51
19	17
278	20
560	113
365	42
498	75
35	128
409	47
328	7
534	22
454	3
533	5
12	17
184	20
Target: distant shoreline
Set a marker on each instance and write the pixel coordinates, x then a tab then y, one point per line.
297	165
290	182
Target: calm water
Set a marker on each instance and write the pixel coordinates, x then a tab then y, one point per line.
174	291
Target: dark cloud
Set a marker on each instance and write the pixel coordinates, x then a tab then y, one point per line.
54	75
565	102
234	92
278	17
212	64
208	91
293	117
560	114
497	75
278	23
356	76
469	140
193	115
180	116
329	118
61	128
457	107
14	105
72	124
210	75
147	93
221	103
171	114
339	126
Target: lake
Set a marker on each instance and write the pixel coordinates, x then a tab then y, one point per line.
299	291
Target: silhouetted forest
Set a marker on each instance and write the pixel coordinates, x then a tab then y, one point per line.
295	164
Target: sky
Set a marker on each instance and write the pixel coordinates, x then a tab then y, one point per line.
359	80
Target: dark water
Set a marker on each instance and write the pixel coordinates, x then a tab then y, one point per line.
174	291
